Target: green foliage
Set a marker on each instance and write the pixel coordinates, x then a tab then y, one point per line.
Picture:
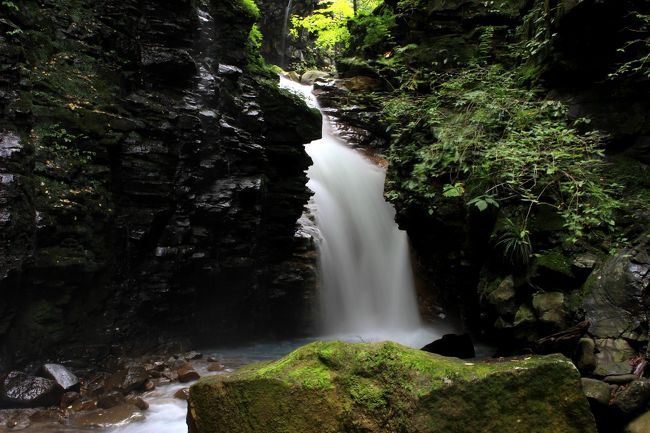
373	32
255	62
328	24
535	33
513	241
482	137
61	146
250	7
640	64
7	4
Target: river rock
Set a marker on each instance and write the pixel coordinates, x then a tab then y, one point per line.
68	398
127	379
216	366
104	418
613	357
149	385
634	397
110	399
138	402
596	390
182	394
503	297
584	357
459	346
386	387
61	375
640	425
619	379
19	390
84	404
616	301
191	356
549	307
187	373
310	76
525	315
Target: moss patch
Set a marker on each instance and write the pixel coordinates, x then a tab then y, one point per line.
555	261
384	387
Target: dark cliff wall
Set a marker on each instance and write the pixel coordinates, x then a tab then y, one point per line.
150	188
278	47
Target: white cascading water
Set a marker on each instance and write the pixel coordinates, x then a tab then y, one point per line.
367	284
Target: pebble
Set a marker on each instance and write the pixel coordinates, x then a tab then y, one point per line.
215	366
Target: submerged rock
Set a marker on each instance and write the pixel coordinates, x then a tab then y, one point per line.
385	387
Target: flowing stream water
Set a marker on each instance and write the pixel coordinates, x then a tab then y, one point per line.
367	288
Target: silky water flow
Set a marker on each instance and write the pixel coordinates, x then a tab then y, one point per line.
367	290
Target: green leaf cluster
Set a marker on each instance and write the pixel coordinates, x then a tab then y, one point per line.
639	64
329	23
7	4
481	137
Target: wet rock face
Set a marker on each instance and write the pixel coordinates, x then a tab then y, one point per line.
277	48
617	303
150	185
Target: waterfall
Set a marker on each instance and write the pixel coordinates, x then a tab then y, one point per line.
285	33
367	284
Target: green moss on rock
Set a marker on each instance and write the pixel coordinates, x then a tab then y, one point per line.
555	261
385	387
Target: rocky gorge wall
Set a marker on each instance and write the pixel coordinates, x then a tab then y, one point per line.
150	185
278	47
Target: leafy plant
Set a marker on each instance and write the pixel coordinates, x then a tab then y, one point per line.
513	241
250	7
482	137
10	5
329	23
639	46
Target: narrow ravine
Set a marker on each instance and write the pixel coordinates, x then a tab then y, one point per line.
367	285
368	292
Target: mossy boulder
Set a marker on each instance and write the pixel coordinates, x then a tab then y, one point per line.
386	387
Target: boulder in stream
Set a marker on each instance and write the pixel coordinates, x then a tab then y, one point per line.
386	387
20	390
61	375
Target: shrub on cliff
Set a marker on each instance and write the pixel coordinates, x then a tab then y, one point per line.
481	137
